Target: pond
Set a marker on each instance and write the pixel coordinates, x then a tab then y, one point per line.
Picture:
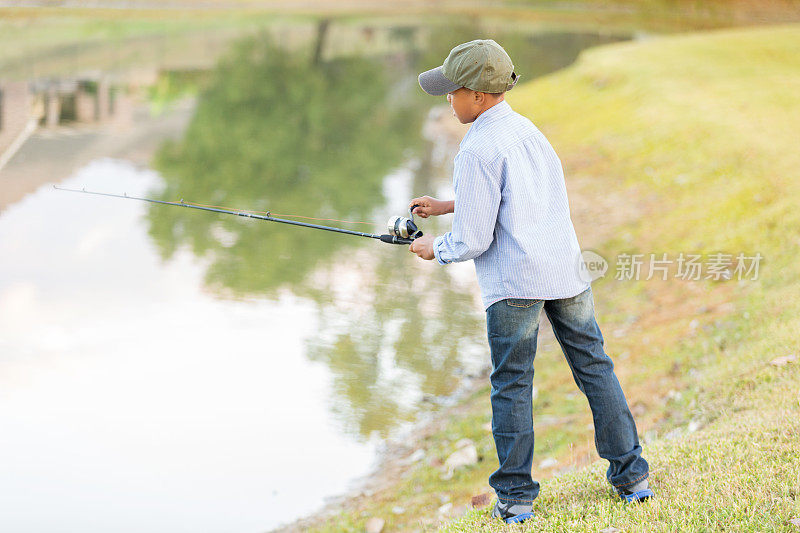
167	369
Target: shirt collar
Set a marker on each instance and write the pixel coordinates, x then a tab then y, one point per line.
498	110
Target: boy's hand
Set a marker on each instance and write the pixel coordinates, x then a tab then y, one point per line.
430	206
423	247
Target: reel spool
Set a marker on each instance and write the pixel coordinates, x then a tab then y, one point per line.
404	227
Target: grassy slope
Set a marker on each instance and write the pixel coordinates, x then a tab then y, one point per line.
698	134
701	129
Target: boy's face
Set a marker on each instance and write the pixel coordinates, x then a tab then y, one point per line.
466	106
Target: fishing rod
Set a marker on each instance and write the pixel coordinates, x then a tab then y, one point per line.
401	230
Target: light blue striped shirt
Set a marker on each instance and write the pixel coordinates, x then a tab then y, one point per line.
511	212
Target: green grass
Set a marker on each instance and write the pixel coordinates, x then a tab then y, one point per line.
698	135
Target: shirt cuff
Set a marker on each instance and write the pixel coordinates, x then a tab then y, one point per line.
436	242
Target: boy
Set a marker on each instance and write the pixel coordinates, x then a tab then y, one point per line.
512	217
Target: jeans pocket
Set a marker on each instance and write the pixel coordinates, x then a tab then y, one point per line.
521	302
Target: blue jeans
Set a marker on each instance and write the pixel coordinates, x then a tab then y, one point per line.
513	325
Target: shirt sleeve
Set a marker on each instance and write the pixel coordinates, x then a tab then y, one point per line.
477	200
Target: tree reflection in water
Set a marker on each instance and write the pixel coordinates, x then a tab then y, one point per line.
274	131
393	331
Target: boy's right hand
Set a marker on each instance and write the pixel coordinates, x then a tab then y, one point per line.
427	206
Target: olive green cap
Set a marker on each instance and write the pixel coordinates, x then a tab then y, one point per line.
481	65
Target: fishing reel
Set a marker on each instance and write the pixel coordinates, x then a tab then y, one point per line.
402	230
404	227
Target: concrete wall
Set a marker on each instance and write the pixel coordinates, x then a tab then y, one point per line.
15	111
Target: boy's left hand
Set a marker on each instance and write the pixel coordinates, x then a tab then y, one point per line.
423	247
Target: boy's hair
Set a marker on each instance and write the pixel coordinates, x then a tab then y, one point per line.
496	95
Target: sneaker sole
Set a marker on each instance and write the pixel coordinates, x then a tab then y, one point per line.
638	496
519	518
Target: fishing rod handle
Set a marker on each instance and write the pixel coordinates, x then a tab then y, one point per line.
393	239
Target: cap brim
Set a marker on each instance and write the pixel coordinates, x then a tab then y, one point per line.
433	82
